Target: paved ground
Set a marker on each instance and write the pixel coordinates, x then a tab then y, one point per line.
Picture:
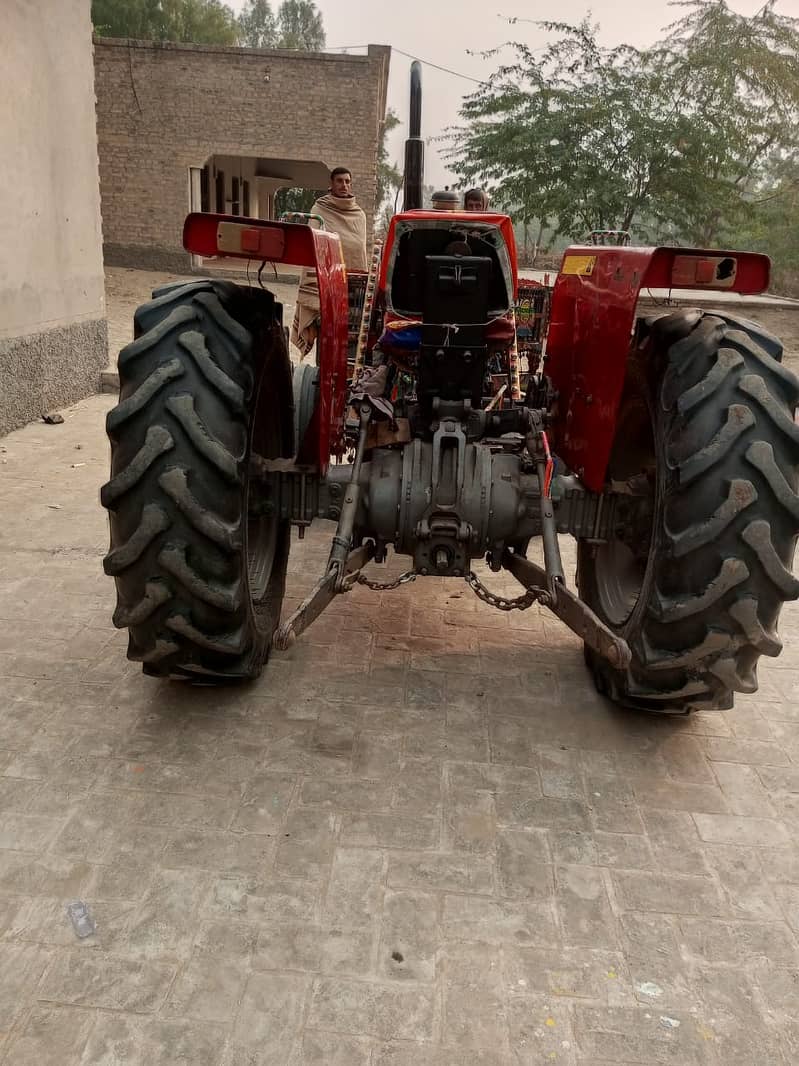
421	838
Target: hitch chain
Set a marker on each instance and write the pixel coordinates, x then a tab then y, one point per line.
386	586
520	603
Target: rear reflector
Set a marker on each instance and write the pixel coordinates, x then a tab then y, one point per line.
233	239
700	271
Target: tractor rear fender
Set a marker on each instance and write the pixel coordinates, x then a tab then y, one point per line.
259	240
592	319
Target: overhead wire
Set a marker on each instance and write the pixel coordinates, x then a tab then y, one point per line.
424	62
436	66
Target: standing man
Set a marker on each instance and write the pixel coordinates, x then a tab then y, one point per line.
342	215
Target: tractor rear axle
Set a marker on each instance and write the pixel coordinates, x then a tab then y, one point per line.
446	502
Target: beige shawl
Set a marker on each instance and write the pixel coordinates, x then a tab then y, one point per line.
343	216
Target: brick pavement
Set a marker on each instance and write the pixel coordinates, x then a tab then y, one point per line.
421	838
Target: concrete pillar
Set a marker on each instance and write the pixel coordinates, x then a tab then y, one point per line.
53	335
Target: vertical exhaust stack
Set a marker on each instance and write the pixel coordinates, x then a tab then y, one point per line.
414	146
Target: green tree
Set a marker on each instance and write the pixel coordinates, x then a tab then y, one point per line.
198	21
665	140
300	26
258	25
195	21
389	177
297	25
296	199
741	76
771	222
582	135
383	220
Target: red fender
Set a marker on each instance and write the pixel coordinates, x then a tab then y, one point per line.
591	323
260	240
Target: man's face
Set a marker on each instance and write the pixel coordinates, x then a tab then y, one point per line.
341	185
473	204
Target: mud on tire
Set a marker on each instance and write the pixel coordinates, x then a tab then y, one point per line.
199	574
708	411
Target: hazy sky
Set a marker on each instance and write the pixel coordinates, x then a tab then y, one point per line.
444	31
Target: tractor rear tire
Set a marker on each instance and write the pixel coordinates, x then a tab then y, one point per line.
708	413
199	561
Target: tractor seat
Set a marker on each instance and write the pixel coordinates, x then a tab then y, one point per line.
410	268
456	289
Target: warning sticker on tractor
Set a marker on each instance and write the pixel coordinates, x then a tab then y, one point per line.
578	264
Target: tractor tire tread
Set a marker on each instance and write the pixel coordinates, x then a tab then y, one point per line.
179	438
721	560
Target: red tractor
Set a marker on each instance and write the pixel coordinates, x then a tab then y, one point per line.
666	445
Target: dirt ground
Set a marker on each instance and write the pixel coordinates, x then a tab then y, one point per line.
783	323
782	320
126	289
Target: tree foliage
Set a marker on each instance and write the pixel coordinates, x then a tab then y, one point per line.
300	26
296	199
297	24
743	75
258	25
670	141
771	224
195	21
389	177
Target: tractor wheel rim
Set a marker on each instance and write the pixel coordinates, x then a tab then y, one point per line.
262	530
621	568
261	548
620	578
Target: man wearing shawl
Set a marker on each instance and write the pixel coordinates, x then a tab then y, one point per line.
342	215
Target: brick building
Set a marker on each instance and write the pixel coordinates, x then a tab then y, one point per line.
198	127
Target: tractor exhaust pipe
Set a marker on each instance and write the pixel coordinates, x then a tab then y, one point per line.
414	146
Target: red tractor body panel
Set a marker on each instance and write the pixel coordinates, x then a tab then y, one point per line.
592	319
299	245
